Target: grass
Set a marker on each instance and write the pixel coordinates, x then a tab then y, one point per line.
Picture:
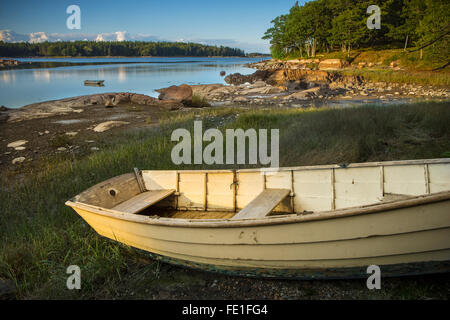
199	102
430	78
40	237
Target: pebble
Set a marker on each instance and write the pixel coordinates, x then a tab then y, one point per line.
17	143
18	160
61	149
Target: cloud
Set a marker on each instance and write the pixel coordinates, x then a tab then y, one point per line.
37	37
11	36
99	38
121	35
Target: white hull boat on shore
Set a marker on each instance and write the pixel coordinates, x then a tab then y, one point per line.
315	222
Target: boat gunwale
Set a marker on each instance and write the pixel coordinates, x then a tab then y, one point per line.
269	220
315	167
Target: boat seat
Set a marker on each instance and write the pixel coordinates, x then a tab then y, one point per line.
263	204
143	201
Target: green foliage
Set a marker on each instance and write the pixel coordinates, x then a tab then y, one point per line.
327	25
114	48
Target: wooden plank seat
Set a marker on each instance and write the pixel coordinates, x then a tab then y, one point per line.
263	204
143	201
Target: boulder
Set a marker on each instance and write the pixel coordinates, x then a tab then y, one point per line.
121	98
241	99
282	77
108	125
304	94
238	79
182	93
142	99
332	64
203	90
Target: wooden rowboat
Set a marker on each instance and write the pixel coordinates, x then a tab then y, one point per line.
98	83
312	222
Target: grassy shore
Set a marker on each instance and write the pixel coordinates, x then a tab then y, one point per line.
40	237
413	69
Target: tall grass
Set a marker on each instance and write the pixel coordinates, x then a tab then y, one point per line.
431	78
40	237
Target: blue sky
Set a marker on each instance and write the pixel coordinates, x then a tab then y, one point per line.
230	22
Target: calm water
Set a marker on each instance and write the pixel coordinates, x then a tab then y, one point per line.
22	87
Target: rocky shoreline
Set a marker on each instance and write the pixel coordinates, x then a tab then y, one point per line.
296	81
63	126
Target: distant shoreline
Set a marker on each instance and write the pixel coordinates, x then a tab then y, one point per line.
105	57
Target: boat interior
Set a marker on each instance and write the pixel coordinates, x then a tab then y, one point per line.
258	193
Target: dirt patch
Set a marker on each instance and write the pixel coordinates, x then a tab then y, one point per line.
66	133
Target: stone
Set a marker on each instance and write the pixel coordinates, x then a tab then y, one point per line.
238	79
182	93
61	149
108	103
259	84
19	148
104	126
241	99
17	143
18	160
71	133
332	64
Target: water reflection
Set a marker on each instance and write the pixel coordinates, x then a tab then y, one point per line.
121	74
8	76
21	87
41	75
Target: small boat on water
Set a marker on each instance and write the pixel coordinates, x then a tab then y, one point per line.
97	83
314	222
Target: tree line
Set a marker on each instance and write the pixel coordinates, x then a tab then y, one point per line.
331	25
114	48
